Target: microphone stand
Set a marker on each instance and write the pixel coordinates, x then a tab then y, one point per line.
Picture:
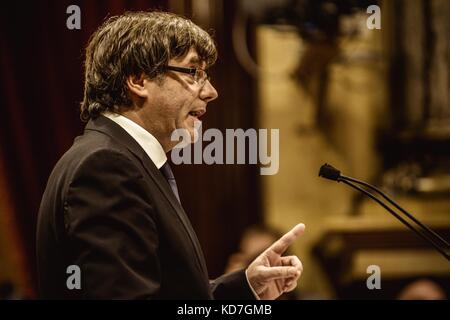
395	204
421	234
424	232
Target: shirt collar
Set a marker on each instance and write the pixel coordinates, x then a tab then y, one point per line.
145	139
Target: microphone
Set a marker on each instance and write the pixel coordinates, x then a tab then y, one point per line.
329	172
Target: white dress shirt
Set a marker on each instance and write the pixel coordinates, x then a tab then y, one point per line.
145	139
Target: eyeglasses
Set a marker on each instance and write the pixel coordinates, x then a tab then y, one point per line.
200	76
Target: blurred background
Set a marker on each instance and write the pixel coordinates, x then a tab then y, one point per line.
373	102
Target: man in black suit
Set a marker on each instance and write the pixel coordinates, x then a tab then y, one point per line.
111	206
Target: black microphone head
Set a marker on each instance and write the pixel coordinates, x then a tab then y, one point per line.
329	172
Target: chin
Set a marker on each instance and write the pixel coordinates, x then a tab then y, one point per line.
194	129
194	134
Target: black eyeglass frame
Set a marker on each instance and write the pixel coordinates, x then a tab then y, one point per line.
191	71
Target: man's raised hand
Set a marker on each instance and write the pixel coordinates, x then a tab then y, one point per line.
271	274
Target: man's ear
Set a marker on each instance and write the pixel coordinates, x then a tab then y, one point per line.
136	85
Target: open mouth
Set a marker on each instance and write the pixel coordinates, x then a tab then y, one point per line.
197	114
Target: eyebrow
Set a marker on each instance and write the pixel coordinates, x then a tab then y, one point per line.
195	60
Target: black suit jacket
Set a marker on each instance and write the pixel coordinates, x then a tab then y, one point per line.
110	211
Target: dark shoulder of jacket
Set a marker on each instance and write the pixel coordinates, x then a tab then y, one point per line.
91	151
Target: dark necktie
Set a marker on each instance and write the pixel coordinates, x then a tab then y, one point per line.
168	174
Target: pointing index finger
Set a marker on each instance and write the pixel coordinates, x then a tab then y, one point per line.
280	246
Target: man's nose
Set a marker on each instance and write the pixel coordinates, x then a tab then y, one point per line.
208	92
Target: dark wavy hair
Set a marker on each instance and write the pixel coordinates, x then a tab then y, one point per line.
132	44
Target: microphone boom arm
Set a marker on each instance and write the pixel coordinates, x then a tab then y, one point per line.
329	172
406	223
395	204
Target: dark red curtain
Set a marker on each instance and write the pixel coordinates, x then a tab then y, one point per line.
41	87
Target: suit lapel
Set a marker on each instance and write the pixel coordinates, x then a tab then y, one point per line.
109	127
163	185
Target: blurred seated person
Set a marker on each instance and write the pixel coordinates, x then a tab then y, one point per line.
422	289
